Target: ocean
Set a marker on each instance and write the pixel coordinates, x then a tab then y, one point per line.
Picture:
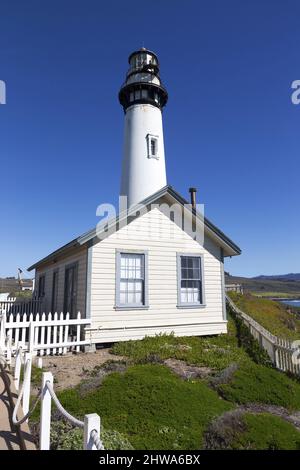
292	303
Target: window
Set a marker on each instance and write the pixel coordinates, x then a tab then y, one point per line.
190	280
131	280
70	297
41	291
152	146
54	291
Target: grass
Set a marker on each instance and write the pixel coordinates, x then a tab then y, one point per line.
36	375
267	432
216	352
283	295
152	407
270	314
255	383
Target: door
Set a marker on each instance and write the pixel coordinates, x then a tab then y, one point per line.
70	297
54	292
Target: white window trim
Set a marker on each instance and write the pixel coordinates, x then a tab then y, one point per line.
149	137
118	305
181	304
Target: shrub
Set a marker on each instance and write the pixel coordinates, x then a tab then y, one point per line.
64	436
254	383
240	430
216	352
98	374
225	376
272	315
221	433
147	399
250	344
267	432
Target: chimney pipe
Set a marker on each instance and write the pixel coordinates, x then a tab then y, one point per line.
193	197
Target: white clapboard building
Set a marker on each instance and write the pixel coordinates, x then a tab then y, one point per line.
156	267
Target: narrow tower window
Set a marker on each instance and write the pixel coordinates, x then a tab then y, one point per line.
152	146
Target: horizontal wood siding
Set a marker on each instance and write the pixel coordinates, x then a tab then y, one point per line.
109	324
79	256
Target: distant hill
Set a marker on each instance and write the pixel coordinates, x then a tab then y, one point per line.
279	277
10	284
268	285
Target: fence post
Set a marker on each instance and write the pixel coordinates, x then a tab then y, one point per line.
275	356
91	423
2	331
45	412
9	345
18	368
26	393
31	335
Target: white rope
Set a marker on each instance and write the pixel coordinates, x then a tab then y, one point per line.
21	421
61	409
15	420
96	439
3	361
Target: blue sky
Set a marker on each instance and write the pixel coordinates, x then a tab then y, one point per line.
230	127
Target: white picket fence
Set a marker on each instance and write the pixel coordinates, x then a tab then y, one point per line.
15	305
43	334
90	425
284	354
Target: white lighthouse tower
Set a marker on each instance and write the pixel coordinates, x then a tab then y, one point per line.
143	97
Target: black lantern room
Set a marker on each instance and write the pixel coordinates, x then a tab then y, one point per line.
143	83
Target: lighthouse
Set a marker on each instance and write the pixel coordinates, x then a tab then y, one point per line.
143	98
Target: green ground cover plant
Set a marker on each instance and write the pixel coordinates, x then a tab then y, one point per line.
144	405
272	315
267	432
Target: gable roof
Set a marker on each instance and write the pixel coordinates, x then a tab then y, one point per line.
230	248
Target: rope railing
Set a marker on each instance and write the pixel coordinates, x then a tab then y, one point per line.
26	380
96	439
90	425
17	422
61	409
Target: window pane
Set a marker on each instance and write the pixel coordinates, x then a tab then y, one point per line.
190	284
152	147
196	273
132	279
139	298
183	262
184	273
130	286
123	286
138	286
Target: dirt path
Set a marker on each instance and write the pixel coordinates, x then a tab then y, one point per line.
8	437
69	370
11	437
